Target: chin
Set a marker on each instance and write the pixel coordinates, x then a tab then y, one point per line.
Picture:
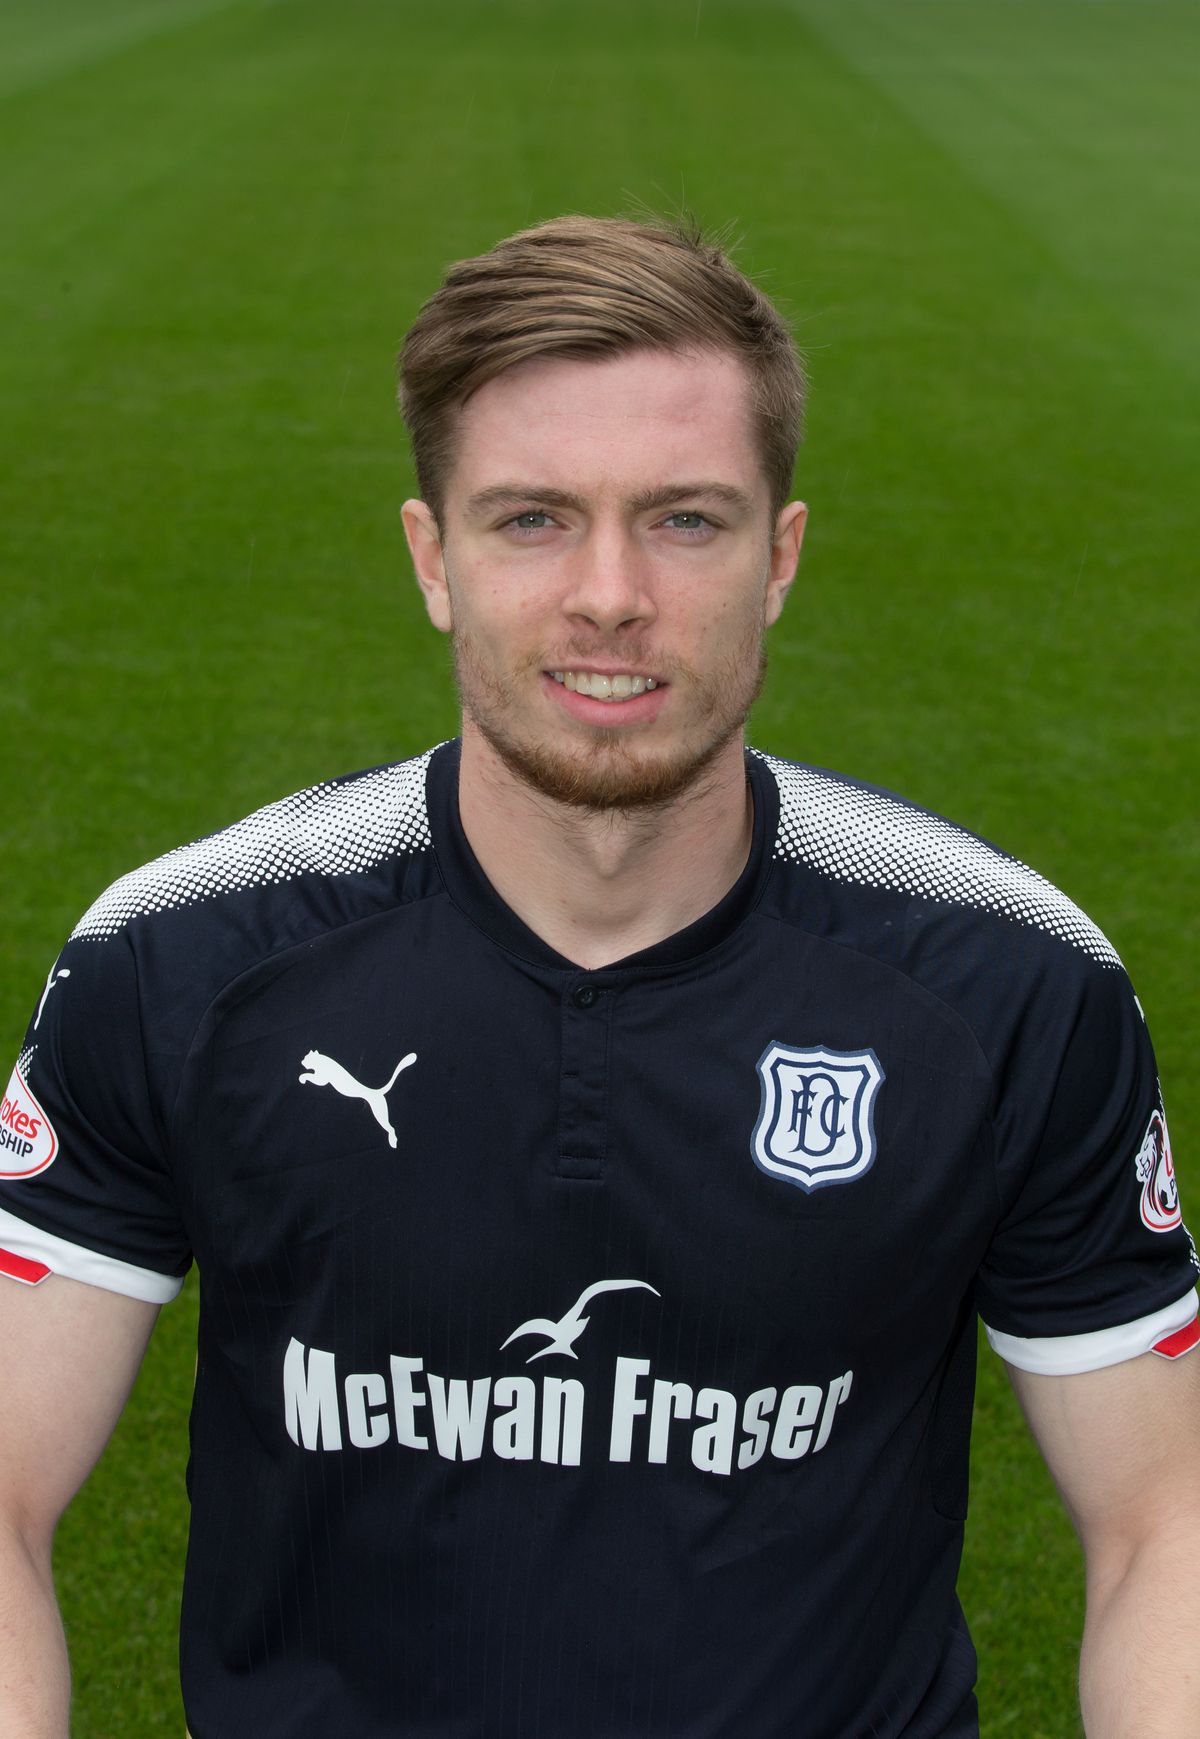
602	772
607	776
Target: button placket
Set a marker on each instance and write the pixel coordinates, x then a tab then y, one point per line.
583	1092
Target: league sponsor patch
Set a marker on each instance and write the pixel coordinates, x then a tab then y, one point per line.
28	1143
816	1118
1156	1173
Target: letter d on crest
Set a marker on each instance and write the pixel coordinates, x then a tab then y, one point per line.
816	1118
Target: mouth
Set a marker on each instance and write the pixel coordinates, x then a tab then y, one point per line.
614	686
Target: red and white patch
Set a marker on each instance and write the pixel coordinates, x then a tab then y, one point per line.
28	1143
1155	1168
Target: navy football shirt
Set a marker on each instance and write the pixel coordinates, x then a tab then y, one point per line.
587	1354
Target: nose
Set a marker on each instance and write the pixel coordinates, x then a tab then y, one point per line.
609	584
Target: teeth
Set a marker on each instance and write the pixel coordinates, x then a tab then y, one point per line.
599	687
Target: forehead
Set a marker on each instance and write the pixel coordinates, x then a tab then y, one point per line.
620	423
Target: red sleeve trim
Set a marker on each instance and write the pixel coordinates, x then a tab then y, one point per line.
28	1254
1173	1346
1169	1332
21	1268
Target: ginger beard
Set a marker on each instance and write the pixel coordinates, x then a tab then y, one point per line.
599	767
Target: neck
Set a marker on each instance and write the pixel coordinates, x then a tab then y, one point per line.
599	885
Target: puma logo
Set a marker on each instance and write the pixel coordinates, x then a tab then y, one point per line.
324	1071
53	979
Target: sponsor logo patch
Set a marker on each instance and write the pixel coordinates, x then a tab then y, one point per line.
1156	1173
647	1414
816	1118
28	1143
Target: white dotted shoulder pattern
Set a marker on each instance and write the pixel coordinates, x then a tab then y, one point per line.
855	835
328	829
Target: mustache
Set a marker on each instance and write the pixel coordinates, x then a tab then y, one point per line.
629	655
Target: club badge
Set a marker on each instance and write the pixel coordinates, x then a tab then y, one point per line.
816	1123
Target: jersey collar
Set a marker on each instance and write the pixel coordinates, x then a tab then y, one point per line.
471	891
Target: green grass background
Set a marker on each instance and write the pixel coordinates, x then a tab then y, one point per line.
219	218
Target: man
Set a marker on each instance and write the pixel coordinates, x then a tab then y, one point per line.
596	1139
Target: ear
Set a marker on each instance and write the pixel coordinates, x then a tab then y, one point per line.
425	547
785	553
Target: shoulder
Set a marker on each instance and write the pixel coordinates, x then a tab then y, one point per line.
165	942
889	859
341	828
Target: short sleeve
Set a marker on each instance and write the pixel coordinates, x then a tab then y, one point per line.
1091	1263
85	1190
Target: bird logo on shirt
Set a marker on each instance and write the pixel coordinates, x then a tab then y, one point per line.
562	1335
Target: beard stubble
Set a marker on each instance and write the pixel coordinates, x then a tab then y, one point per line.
602	771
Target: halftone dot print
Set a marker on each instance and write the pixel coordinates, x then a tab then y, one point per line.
335	828
853	835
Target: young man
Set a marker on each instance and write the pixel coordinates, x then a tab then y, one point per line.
596	1139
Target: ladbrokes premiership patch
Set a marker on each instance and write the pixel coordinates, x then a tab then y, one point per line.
1156	1172
28	1143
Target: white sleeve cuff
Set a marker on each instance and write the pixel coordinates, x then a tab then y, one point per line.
30	1255
1170	1332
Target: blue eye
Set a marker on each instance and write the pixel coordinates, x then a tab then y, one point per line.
701	523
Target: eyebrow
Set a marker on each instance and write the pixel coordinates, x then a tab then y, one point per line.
514	494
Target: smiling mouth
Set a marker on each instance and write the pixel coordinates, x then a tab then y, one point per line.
590	682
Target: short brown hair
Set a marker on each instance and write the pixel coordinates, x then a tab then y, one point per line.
594	287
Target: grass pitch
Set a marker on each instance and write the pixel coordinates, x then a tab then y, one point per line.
220	218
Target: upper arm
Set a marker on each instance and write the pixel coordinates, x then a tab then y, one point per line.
69	1353
1123	1445
1090	1263
1091	1267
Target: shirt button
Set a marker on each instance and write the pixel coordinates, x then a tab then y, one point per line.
586	996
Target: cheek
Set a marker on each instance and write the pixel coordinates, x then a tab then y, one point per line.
731	616
496	616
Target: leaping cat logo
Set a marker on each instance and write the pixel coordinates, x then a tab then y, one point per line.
53	979
324	1071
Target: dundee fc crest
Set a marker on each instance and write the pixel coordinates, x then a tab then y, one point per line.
816	1123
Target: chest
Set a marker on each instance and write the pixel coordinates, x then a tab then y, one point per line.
414	1127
